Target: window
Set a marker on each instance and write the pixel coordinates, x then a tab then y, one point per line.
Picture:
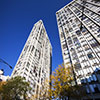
92	88
87	89
22	56
98	11
26	47
92	13
39	72
19	63
36	74
70	42
15	72
87	21
28	64
67	22
37	89
77	65
74	25
26	69
86	11
94	45
71	20
34	70
90	55
90	26
96	88
83	17
65	17
70	29
98	35
83	29
64	46
62	35
78	32
98	30
25	74
63	24
32	49
75	39
29	48
37	54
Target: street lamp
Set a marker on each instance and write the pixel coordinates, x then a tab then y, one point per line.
1	60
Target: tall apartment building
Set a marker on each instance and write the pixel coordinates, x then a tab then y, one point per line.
34	62
79	32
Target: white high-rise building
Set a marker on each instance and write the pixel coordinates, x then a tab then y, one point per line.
34	62
2	76
79	32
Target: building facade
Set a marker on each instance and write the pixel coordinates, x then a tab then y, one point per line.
2	76
34	62
79	32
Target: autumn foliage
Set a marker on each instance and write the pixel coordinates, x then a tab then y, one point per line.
62	86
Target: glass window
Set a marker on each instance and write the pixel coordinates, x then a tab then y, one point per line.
91	87
32	49
70	29
62	34
98	30
83	17
26	47
88	79
90	55
70	42
95	44
78	32
28	64
96	88
77	65
34	70
98	35
87	89
94	77
64	46
74	25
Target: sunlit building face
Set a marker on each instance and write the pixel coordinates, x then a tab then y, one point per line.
79	32
34	62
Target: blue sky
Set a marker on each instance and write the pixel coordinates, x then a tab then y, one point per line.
17	18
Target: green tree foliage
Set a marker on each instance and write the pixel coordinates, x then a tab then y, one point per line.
15	88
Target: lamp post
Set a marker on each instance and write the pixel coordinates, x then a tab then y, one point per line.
1	70
2	77
2	61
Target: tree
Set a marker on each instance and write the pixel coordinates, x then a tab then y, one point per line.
63	84
14	89
1	84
